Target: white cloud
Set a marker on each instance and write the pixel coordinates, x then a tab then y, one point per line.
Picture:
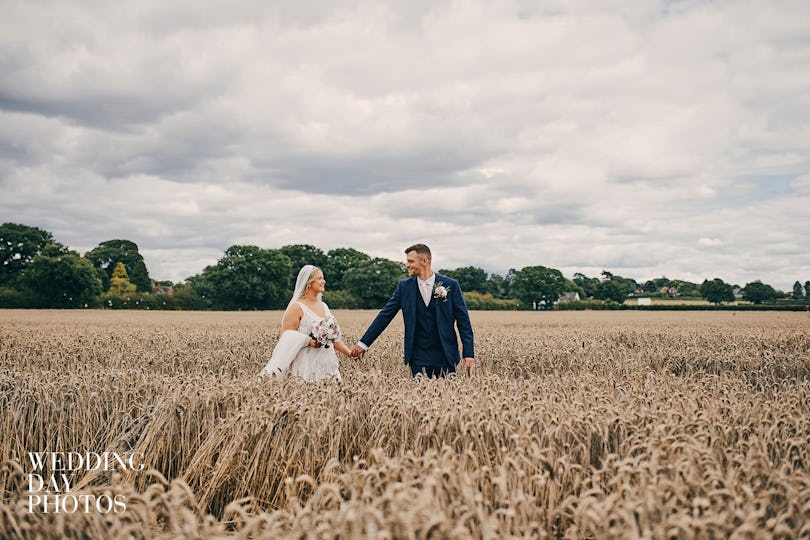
638	137
801	185
710	242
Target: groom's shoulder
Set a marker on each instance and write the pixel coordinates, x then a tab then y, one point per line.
445	279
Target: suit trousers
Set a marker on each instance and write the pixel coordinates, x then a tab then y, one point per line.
431	363
432	372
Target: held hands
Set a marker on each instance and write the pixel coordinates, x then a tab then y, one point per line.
351	353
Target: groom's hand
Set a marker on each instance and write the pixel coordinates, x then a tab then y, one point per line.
358	352
468	364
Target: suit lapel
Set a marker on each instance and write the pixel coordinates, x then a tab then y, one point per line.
415	294
439	302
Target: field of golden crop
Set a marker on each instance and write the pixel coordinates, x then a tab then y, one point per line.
574	425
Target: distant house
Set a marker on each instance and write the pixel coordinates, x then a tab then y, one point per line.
671	292
162	288
568	297
644	301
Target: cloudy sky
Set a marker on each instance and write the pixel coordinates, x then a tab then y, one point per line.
643	137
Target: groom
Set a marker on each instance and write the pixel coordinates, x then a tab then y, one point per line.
430	305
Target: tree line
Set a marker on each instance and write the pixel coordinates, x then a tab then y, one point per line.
39	272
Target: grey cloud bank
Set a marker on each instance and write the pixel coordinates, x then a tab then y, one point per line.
645	138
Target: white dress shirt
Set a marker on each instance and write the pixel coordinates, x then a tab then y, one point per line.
426	287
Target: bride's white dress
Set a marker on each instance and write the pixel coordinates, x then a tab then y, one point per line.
292	355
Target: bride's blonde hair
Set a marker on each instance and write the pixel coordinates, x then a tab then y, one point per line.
315	269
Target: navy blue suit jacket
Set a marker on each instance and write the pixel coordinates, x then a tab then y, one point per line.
450	313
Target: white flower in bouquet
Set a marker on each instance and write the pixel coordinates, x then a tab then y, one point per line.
326	332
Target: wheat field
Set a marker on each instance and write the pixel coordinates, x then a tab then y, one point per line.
573	425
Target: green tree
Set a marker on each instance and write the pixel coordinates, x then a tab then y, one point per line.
373	281
614	288
758	292
611	290
338	261
470	278
107	254
655	285
797	290
302	254
120	285
685	288
19	244
15	299
570	286
340	299
807	289
537	285
247	277
587	284
64	281
495	286
717	291
498	285
185	297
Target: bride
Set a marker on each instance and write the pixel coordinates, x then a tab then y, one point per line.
297	351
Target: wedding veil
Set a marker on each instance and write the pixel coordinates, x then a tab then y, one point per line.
301	283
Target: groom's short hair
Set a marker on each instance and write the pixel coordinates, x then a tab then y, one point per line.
420	249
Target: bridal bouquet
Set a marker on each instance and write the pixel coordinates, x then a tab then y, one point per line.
326	331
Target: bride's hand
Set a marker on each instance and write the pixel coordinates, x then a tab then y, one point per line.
342	348
314	344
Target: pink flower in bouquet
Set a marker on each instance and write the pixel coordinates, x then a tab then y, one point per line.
326	332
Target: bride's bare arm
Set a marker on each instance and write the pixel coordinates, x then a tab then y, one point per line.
292	318
342	348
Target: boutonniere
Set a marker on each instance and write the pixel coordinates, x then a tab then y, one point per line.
440	291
